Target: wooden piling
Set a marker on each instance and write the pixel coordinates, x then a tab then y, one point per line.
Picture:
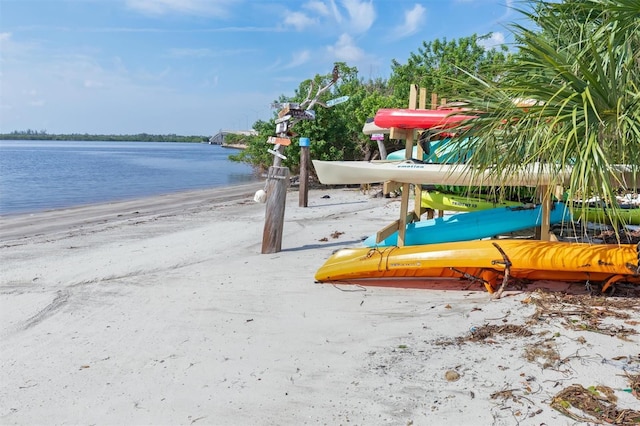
277	184
303	189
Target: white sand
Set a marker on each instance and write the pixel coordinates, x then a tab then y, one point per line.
163	311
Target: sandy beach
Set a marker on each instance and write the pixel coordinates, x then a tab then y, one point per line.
163	311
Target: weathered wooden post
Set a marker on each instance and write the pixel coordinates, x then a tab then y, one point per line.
276	188
278	177
303	189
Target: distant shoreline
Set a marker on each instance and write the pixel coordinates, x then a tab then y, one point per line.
141	137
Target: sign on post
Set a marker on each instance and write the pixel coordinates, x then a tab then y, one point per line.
337	101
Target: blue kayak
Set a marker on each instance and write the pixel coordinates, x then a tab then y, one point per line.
473	225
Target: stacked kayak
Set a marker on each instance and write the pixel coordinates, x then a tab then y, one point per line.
408	171
629	216
473	225
441	151
419	118
486	260
437	200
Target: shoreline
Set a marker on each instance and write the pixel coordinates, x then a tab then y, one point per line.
11	225
167	313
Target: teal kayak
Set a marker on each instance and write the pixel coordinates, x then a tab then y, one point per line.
473	225
441	152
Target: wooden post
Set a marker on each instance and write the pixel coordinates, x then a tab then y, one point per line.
545	224
277	183
303	189
404	202
417	203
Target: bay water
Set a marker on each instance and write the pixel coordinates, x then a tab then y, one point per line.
43	175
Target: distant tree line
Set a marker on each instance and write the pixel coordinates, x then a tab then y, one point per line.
42	135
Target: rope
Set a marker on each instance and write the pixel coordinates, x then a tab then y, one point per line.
638	260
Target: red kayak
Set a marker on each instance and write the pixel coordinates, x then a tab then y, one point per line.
418	118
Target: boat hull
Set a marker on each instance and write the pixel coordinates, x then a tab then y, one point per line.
419	118
358	172
472	226
532	260
441	201
622	215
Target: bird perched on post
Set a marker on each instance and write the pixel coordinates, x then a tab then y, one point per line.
335	73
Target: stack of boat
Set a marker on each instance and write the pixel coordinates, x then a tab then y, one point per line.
457	246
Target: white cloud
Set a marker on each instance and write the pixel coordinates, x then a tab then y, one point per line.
361	13
336	13
298	20
496	39
298	58
413	20
319	7
188	7
346	50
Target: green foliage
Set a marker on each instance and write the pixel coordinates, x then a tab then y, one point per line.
579	73
435	62
255	153
336	133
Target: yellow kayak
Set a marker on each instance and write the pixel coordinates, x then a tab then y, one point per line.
487	260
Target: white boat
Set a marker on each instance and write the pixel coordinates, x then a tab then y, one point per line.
408	171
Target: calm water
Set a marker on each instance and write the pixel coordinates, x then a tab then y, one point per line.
42	175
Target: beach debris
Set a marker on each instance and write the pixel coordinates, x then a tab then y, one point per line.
451	376
543	353
634	384
485	332
586	312
260	196
335	235
326	196
595	404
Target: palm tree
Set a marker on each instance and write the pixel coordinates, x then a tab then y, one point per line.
571	99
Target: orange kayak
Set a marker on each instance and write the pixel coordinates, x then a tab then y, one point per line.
487	260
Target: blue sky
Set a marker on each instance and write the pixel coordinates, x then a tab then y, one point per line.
193	67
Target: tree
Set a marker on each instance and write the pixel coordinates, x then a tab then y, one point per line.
435	62
570	99
336	132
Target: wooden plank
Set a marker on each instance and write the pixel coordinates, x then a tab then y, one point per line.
404	202
545	226
387	231
279	141
413	96
434	100
390	186
404	209
396	133
417	200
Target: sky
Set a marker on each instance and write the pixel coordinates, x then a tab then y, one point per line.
195	67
